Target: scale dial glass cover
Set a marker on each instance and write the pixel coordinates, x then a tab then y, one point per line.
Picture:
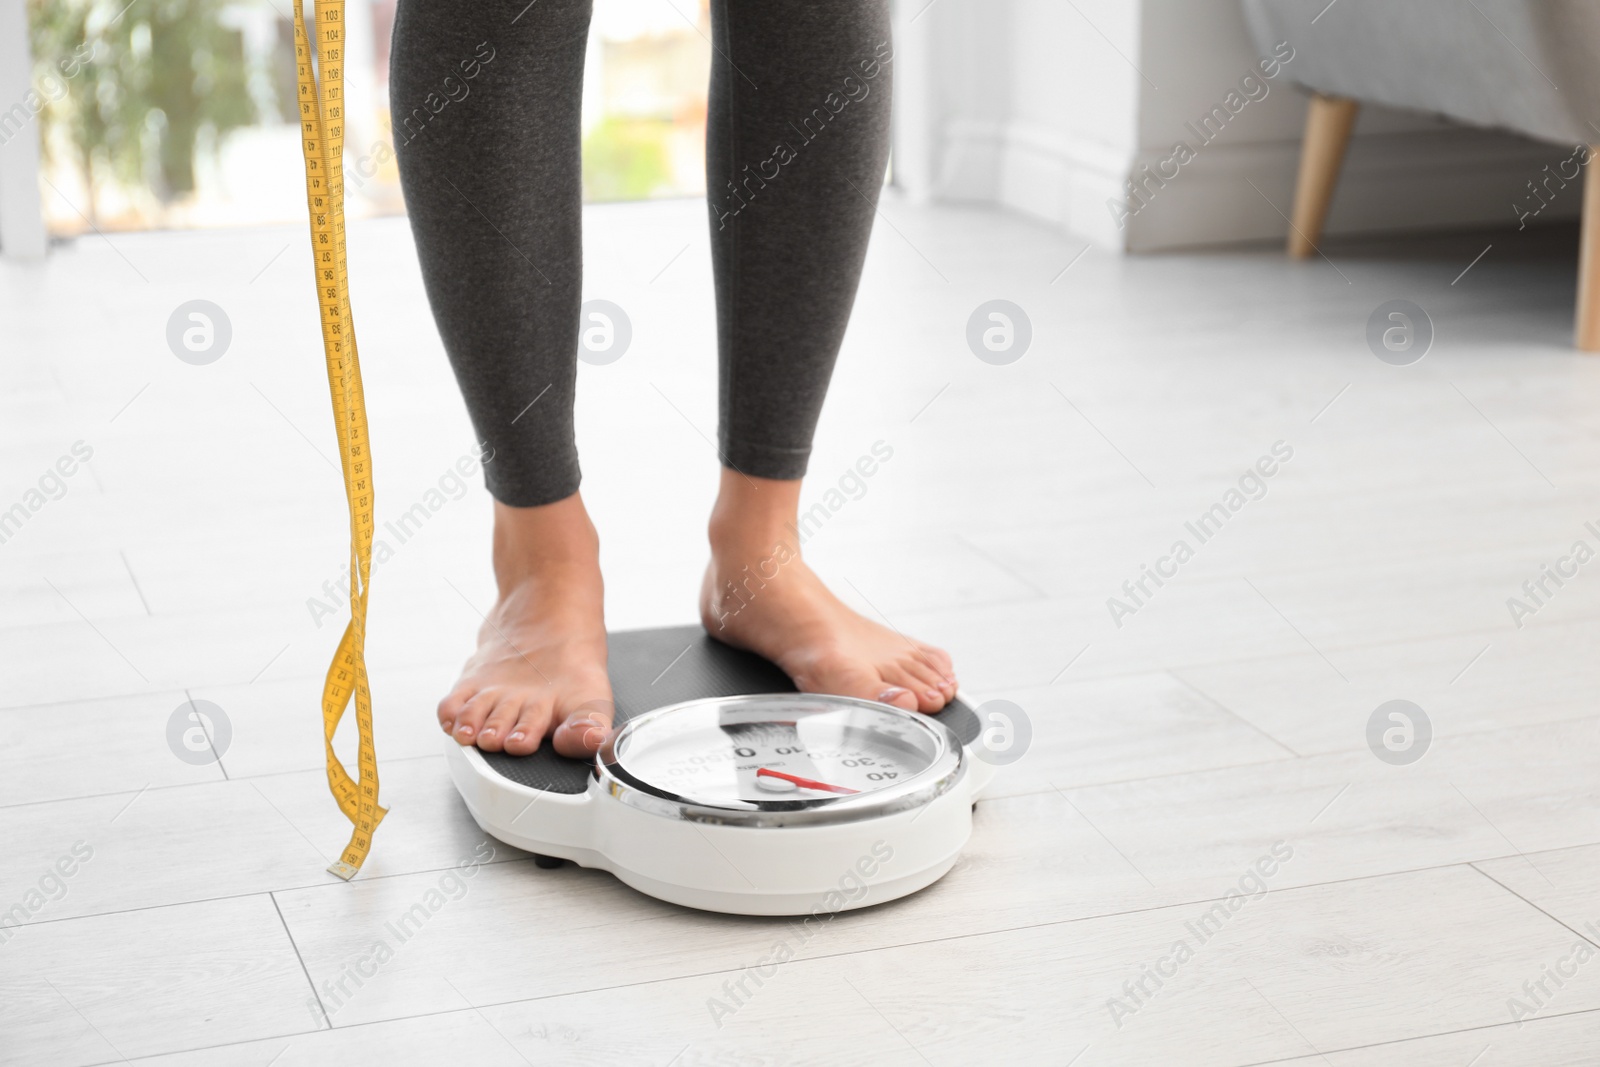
834	757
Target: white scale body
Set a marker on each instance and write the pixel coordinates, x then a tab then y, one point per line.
777	804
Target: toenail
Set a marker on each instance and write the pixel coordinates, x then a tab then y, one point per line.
516	735
933	696
889	694
465	731
448	726
488	732
593	729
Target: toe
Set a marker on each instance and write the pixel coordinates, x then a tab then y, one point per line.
937	663
529	729
939	660
492	735
472	716
909	691
584	729
450	707
855	680
927	683
900	697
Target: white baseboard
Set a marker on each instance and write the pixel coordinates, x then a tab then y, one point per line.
1391	182
1033	170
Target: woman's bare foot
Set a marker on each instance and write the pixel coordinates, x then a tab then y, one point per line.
759	595
540	666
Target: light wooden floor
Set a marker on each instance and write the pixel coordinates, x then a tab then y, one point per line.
1169	754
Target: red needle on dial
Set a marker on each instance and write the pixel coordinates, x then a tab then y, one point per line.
809	783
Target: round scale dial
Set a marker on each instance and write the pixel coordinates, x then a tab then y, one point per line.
778	753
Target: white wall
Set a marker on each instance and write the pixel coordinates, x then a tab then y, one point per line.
1036	105
22	233
1031	107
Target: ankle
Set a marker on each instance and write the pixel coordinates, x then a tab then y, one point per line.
544	543
736	543
753	517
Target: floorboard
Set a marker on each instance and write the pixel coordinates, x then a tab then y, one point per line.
1216	716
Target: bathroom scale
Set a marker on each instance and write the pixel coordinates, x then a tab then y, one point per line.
722	788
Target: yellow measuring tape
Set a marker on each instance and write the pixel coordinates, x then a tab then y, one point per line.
322	128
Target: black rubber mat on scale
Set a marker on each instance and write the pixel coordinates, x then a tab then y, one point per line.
653	668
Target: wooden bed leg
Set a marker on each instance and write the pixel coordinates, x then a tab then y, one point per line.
1329	120
1588	332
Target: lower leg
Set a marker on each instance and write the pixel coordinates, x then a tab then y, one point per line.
793	173
760	595
485	108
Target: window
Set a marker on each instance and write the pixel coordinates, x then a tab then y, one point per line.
181	114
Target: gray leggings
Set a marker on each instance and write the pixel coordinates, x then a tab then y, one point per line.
485	100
